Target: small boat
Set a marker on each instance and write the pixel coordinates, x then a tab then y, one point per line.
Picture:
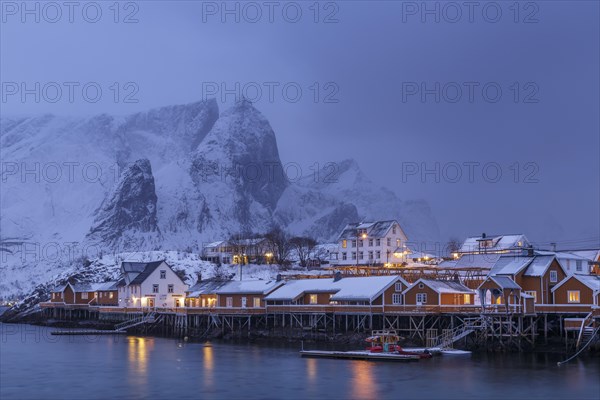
383	347
387	342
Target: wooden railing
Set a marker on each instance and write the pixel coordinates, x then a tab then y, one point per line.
563	308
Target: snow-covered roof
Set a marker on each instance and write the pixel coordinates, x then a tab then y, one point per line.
591	281
486	261
538	265
416	253
499	243
510	265
377	229
364	288
441	286
209	286
561	255
88	287
250	287
592	255
505	282
214	244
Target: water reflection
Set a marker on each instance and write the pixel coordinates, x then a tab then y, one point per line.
311	369
209	365
363	383
137	356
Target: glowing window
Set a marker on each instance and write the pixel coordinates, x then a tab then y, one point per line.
573	296
313	299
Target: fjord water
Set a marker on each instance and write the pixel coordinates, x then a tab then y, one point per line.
34	364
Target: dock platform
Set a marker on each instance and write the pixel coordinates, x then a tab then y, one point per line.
358	355
87	332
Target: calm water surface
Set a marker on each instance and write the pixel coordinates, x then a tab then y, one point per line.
34	364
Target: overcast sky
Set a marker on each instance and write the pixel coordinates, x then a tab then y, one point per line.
478	92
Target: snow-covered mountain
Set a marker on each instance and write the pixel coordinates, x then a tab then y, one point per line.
75	189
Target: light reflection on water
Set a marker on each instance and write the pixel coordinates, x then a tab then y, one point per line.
156	368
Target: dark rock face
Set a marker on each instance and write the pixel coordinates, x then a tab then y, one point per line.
237	170
130	210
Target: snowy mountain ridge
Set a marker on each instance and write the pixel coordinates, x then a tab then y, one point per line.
76	189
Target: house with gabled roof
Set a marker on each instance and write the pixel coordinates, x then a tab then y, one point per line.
371	243
85	293
204	293
533	275
437	292
339	292
501	244
578	289
246	294
150	284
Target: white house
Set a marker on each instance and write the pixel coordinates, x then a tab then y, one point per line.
150	284
500	244
371	243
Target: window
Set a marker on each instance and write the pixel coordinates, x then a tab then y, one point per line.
579	265
398	287
467	299
394	229
360	255
378	254
353	243
313	299
397	242
229	302
568	265
256	303
377	242
344	243
111	295
155	288
370	242
163	274
360	243
573	296
421	298
84	295
553	276
532	293
421	286
354	255
370	255
244	302
344	256
396	298
170	288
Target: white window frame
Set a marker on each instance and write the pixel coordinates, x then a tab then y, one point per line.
171	288
229	302
155	288
256	302
397	298
344	256
398	287
313	299
423	297
84	295
163	274
579	265
578	296
553	276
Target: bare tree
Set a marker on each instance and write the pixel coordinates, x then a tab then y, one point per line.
304	247
239	247
453	245
278	243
